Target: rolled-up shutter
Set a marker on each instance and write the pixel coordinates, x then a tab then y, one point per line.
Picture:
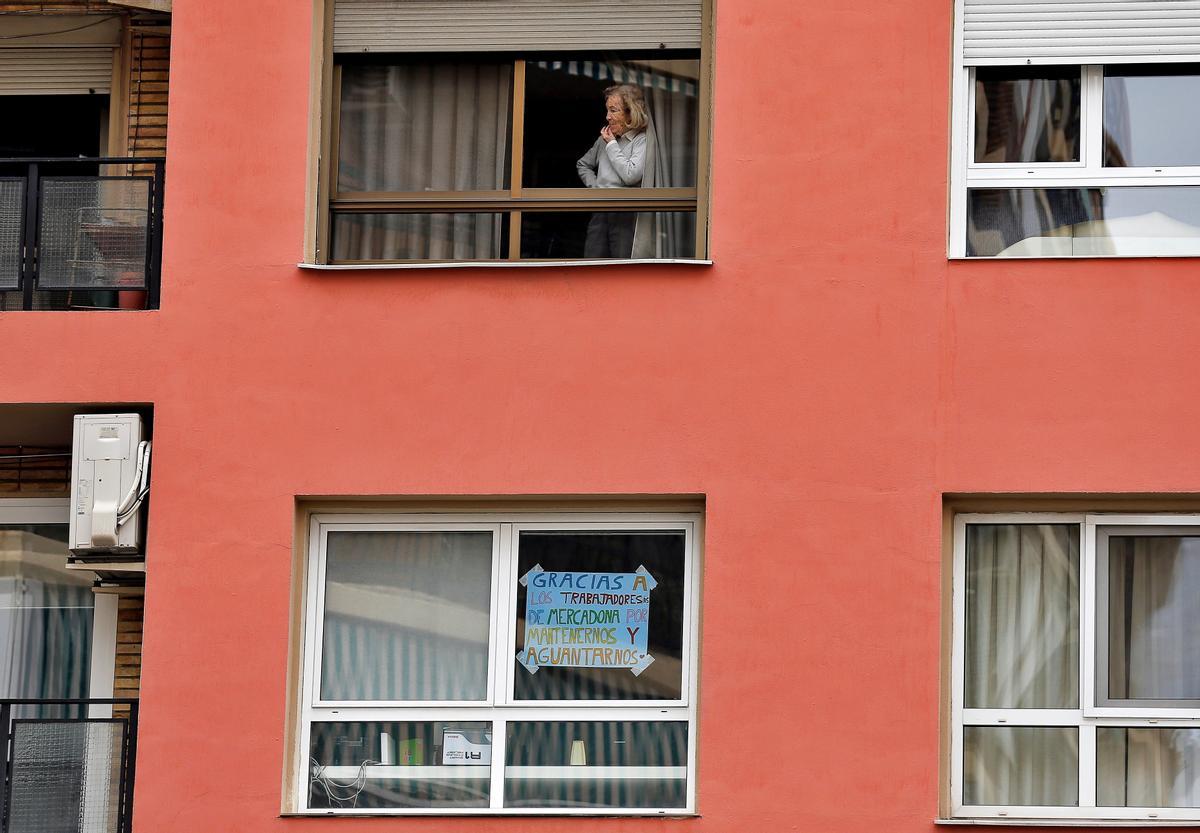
62	70
1080	31
506	25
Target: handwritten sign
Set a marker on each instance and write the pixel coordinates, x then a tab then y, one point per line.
587	620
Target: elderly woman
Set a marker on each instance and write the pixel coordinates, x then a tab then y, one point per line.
616	160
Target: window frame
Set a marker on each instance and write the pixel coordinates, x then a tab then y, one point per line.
1088	172
323	149
1088	716
501	707
102	660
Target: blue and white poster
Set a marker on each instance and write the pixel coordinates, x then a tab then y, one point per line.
587	620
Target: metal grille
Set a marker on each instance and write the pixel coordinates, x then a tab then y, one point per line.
93	233
12	209
66	776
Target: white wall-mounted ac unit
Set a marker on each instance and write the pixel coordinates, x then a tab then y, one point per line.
109	479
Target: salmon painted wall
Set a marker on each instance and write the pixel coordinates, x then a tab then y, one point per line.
823	384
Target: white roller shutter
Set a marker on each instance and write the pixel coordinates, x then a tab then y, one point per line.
62	70
1080	31
503	25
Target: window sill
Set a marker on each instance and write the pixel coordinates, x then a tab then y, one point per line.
494	264
1011	258
998	822
494	814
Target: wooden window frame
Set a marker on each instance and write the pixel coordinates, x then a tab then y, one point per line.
324	199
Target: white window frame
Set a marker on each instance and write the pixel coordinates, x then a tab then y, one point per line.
1088	717
102	670
1088	172
500	707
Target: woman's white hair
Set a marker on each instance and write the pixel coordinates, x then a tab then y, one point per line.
634	103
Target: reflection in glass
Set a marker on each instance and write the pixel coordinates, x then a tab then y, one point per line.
407	616
359	237
1151	116
1147	767
1027	114
1049	222
596	764
1153	625
661	553
565	109
424	127
45	618
1022	620
1021	766
365	765
645	235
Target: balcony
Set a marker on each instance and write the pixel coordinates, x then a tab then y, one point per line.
68	765
80	233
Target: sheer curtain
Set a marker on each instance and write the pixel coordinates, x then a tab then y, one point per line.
46	616
407	616
1022	648
1022	651
1147	767
671	148
422	127
1153	628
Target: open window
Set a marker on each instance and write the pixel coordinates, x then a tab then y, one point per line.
484	143
1074	131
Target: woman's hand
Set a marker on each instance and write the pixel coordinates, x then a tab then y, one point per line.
606	134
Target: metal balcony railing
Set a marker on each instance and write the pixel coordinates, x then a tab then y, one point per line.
68	765
80	233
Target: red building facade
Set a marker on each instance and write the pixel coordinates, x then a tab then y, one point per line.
815	401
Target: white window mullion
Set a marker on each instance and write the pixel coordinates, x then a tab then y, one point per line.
505	615
1087	765
961	140
499	756
1021	717
1087	618
1091	125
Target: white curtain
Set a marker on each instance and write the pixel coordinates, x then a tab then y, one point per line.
1153	629
407	616
1022	617
671	147
415	128
1021	766
1147	767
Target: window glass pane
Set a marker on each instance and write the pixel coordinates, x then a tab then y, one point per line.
442	236
596	764
389	764
1047	222
1147	767
1022	617
566	108
1027	114
1151	115
1153	626
1021	766
425	127
407	616
608	234
600	616
46	614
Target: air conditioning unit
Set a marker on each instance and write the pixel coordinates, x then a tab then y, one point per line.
110	477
